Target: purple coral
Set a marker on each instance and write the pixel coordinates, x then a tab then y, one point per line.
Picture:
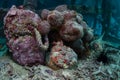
26	51
20	26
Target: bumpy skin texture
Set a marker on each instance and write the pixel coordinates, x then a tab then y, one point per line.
62	56
44	14
55	18
71	31
44	27
20	26
69	15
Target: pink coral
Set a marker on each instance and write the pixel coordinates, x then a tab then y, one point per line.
62	56
71	31
55	18
69	15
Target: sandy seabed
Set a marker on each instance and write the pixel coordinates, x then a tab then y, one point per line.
88	69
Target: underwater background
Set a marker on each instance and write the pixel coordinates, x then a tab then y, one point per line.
98	14
100	60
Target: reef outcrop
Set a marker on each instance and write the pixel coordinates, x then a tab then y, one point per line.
23	30
61	32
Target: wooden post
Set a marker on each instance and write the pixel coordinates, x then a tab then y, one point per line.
106	15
